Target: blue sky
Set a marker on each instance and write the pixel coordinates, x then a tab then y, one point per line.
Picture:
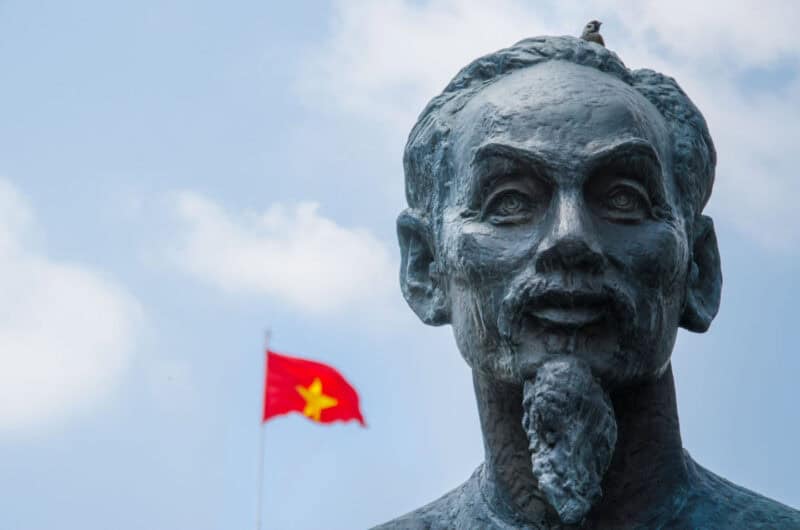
175	176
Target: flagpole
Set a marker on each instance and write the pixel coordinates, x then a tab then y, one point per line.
260	479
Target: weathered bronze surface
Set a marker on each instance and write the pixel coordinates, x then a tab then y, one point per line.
555	221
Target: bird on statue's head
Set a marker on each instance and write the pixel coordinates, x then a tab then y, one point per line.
591	32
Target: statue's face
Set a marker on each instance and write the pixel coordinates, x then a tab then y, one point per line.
562	233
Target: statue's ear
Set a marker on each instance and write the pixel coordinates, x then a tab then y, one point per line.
419	270
705	278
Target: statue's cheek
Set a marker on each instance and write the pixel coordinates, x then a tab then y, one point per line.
489	255
660	260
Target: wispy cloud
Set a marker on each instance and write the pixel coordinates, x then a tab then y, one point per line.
746	33
291	253
67	333
384	60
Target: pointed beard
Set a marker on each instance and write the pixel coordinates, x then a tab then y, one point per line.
572	431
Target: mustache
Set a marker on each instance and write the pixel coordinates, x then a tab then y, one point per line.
528	293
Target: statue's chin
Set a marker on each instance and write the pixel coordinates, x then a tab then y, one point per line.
572	431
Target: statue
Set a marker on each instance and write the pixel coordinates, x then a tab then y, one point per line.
555	221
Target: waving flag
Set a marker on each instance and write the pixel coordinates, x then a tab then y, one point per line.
314	389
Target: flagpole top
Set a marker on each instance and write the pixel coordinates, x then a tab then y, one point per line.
267	337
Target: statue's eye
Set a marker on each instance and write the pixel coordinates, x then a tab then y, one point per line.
624	200
625	189
509	206
509	203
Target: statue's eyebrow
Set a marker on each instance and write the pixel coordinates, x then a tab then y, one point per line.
636	153
519	158
511	152
633	147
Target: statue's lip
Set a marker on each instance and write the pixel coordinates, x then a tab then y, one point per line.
573	318
569	308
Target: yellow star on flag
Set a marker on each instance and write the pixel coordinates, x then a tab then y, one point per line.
316	401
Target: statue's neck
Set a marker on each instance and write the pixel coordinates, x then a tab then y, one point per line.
647	469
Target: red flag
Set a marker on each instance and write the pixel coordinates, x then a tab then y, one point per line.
313	389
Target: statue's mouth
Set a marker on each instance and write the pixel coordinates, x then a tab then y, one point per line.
571	318
538	307
564	309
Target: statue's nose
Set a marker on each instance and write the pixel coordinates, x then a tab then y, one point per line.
571	242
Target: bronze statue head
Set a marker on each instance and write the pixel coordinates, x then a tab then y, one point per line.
555	207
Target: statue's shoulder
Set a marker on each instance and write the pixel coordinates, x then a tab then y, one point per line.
719	503
448	512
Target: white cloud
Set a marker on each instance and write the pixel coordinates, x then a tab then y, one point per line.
385	60
749	32
756	182
66	332
291	253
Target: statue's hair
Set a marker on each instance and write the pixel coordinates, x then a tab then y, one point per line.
428	168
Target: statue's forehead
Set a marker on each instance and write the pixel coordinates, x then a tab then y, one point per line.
557	107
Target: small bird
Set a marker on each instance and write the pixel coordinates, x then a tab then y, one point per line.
592	33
